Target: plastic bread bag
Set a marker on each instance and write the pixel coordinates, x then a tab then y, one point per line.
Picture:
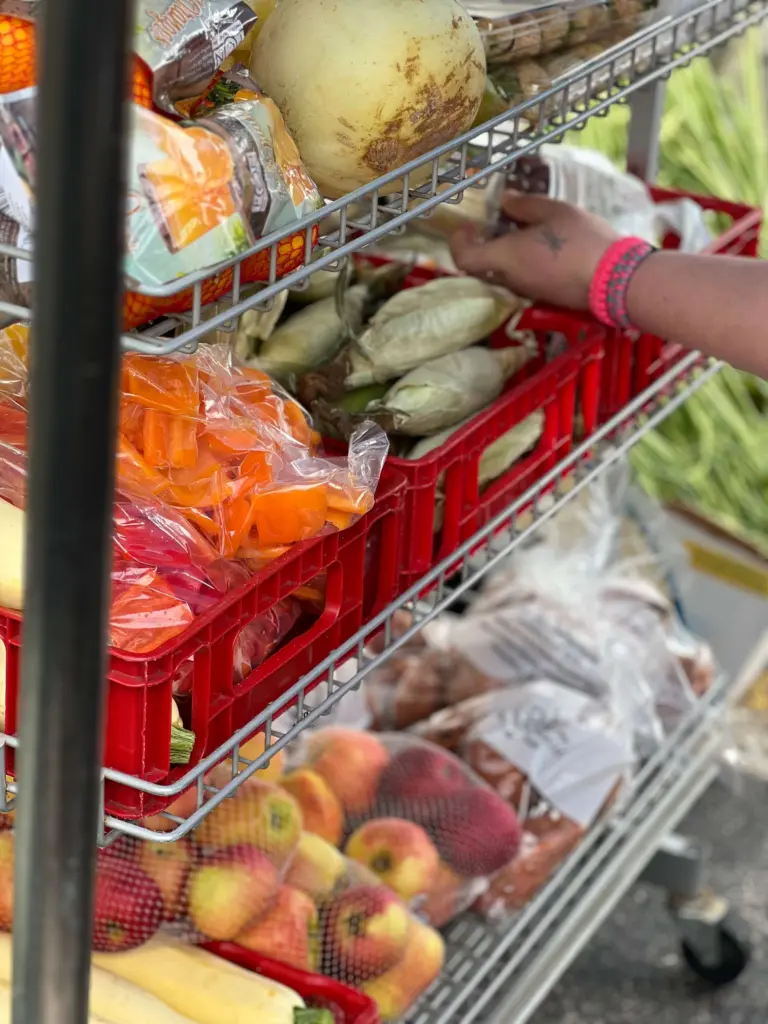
512	31
411	813
179	46
588	179
558	757
199	193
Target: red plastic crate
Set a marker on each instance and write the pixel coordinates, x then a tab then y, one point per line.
347	1004
563	387
633	362
139	687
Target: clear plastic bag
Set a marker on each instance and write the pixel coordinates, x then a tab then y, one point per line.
513	30
414	815
217	474
179	47
557	757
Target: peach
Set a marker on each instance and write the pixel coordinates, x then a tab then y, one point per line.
316	867
6	880
398	852
399	987
226	896
168	864
288	932
365	932
260	815
320	807
350	762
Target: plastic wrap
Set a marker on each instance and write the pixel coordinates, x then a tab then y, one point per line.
578	609
198	193
559	758
217	474
414	815
250	875
179	46
589	180
513	30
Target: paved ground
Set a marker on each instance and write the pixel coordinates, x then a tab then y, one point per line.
631	973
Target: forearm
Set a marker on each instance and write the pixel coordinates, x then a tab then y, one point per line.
717	304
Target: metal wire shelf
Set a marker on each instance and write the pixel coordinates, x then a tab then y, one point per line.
360	218
320	690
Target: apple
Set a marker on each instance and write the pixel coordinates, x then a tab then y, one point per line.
128	904
365	930
186	804
399	987
398	852
288	932
6	880
350	762
168	864
316	867
448	895
261	815
476	832
419	774
320	808
226	895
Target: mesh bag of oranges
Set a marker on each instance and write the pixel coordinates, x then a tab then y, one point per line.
217	475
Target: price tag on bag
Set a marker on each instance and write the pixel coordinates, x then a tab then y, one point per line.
559	740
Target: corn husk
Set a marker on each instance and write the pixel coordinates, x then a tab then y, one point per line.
419	324
445	391
511	446
256	326
313	337
321	285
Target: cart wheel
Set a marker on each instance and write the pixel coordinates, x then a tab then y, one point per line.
734	955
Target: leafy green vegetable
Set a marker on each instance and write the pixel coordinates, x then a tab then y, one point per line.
311	1015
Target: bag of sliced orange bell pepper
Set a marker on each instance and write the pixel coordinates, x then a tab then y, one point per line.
218	474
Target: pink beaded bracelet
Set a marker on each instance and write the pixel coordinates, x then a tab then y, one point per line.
608	291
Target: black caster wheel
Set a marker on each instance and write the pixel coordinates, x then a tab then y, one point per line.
734	955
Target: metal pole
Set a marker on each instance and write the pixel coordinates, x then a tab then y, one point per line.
73	384
646	110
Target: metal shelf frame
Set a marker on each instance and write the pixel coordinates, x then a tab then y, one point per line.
631	70
74	362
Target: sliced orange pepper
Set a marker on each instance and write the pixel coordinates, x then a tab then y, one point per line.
162	384
231	437
131	424
169	440
297	423
146	615
267	553
356	500
341	520
206	524
289	514
134	472
238	516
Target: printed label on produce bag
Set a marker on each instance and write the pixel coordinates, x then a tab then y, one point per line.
18	133
277	189
184	201
522	643
558	739
184	42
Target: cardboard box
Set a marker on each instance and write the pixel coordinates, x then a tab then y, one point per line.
725	591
